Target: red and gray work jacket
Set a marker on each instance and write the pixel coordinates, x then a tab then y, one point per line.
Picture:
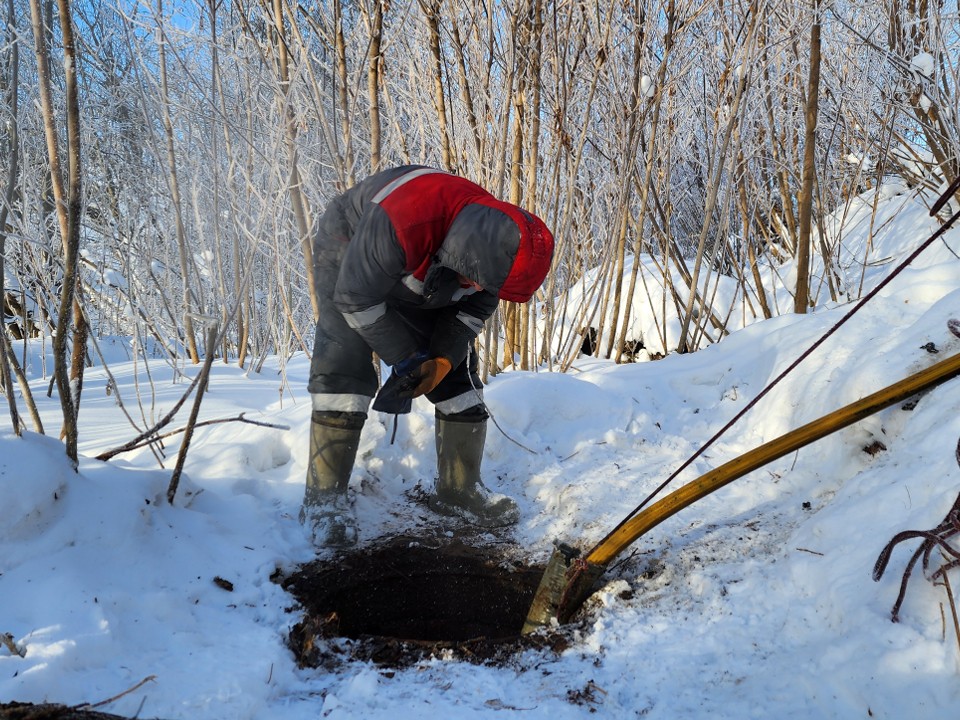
410	232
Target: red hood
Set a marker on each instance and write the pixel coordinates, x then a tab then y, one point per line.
532	260
500	246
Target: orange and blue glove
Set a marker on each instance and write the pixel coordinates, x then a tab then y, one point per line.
431	373
412	377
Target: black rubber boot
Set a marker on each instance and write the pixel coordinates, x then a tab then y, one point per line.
460	440
326	511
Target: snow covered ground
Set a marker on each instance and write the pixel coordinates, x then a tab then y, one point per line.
756	602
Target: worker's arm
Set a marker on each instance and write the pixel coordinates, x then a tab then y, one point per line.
372	265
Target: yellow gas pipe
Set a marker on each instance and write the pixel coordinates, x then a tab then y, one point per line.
568	580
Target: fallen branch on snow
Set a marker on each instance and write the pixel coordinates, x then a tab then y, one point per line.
239	418
91	706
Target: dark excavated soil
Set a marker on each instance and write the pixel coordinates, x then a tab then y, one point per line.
26	711
401	602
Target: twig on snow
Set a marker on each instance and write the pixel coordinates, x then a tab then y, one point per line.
148	435
91	706
239	418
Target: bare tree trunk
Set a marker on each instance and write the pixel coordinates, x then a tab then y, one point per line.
510	311
301	212
632	141
12	82
81	329
67	204
343	95
532	166
212	6
189	335
512	317
204	377
6	381
374	18
431	9
801	298
23	384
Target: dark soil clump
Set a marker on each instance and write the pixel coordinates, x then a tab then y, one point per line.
27	711
402	602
